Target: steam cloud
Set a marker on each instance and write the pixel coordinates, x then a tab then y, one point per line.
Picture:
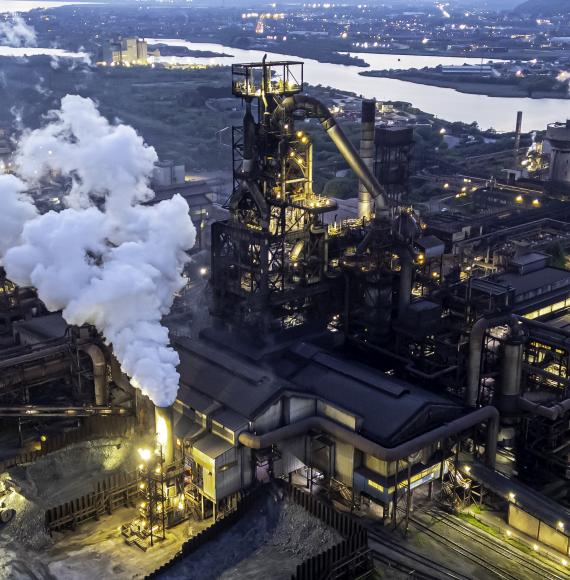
106	259
16	32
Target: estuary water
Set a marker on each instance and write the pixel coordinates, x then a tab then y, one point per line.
489	112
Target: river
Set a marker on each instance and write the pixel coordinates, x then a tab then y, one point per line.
496	112
25	6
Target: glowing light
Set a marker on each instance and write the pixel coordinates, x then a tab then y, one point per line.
144	454
467	469
509	533
564	562
519	198
203	272
536	203
560	525
442	131
161	431
512	496
43	438
535	547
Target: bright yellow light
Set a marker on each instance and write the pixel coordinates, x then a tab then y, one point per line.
43	438
519	198
509	533
299	134
467	469
564	562
161	431
560	525
446	186
536	202
304	139
512	496
142	485
144	454
535	547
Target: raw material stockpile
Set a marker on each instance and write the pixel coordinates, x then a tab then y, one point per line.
53	479
269	541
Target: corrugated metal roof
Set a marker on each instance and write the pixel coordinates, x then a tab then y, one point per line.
212	445
229	379
391	410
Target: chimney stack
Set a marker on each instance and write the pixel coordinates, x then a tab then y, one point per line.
365	201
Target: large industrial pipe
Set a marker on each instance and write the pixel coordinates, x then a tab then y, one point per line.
164	431
518	131
552	412
314	108
99	374
511	369
248	139
475	352
33	374
368	122
406	279
485	414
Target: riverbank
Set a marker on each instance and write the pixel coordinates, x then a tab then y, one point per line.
488	89
184	51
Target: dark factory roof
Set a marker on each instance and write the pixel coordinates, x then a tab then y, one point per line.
546	279
44	327
387	410
213	373
391	410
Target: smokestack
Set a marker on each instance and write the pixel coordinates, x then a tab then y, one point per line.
518	131
163	428
365	202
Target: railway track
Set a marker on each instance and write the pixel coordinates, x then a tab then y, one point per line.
464	552
489	543
407	561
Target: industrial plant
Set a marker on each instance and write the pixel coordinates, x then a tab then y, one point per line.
368	369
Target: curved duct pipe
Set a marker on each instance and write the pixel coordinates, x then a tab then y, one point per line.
553	412
314	108
475	352
99	374
488	414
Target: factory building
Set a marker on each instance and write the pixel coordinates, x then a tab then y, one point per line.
125	51
360	357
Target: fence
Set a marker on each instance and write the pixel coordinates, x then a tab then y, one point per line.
347	559
118	490
93	427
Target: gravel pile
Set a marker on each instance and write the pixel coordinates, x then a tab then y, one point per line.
269	541
53	479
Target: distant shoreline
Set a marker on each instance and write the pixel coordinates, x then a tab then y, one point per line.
471	88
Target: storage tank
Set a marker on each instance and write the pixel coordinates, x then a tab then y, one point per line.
558	136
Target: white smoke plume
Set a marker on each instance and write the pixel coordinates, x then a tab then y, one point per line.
16	209
16	32
107	259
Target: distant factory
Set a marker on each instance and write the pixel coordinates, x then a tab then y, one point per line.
125	52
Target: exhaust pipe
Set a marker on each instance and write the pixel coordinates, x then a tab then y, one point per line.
365	201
